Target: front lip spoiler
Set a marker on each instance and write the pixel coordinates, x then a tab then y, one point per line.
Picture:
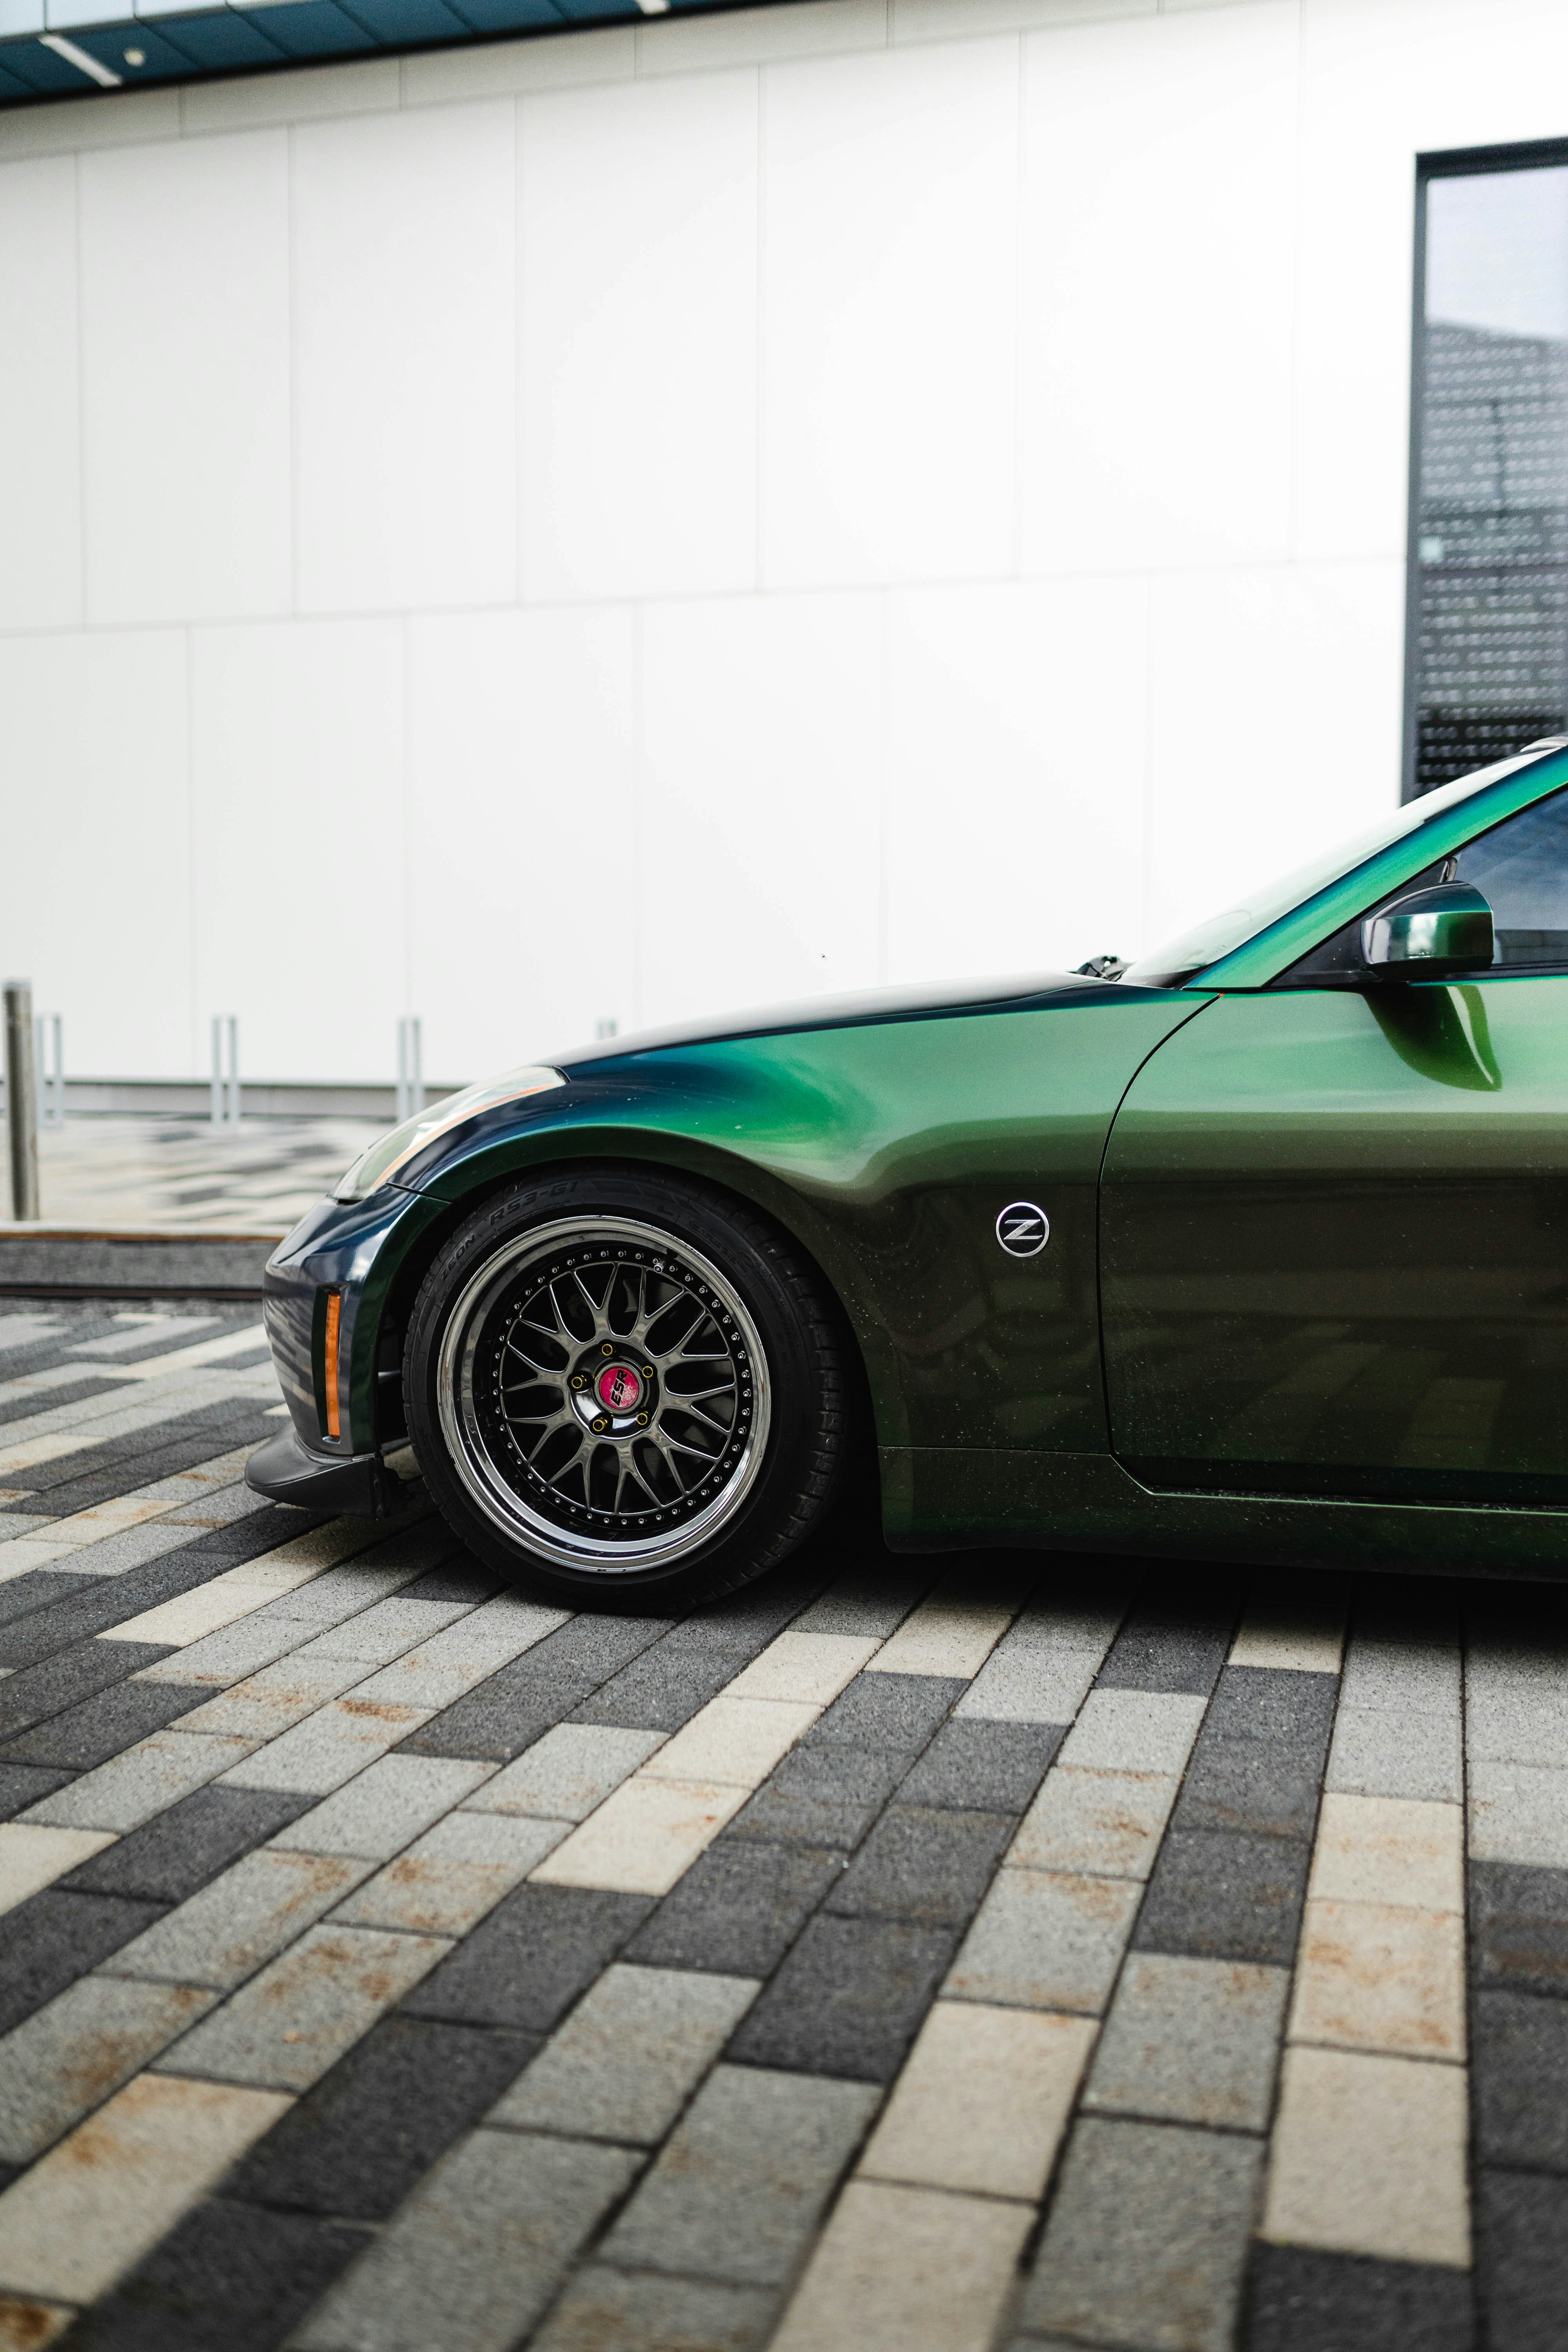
285	1470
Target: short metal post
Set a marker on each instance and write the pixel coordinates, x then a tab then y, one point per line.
410	1067
224	1099
49	1053
21	1101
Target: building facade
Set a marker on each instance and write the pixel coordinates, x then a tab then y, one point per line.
626	522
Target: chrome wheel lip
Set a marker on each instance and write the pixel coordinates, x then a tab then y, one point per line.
469	1451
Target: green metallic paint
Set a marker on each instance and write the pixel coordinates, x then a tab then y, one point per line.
1334	1228
889	1151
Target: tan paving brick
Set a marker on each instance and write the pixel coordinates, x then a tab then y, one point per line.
809	1668
1108	1824
643	1838
26	2326
1380	1976
32	1857
1368	2158
952	1632
1302	1633
1389	1850
96	2203
982	2100
907	2270
732	1742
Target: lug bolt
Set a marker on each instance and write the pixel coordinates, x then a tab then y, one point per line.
579	1380
647	1372
607	1349
600	1424
642	1421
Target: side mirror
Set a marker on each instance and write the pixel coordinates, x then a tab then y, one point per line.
1431	935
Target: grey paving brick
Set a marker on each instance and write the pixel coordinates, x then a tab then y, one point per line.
1147	2239
526	1964
824	1797
604	2310
328	1748
925	1864
738	1908
23	1594
452	1876
1403	1673
995	1766
53	1938
239	1921
1133	1731
869	1601
1519	1927
1233	1898
657	1692
629	2055
1302	2300
1507	1725
1173	1646
267	1702
1379	1752
22	1785
1279	1705
887	1711
1251	1786
847	1999
234	1652
740	2187
1519	2072
478	2251
144	1780
441	1670
506	1713
1045	1939
567	1772
1107	1825
1518	1812
1030	1686
80	1709
75	2051
387	1628
1191	2042
226	2275
376	2123
283	2030
383	1809
179	1851
1522	2260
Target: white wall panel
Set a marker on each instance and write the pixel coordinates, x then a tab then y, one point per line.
298	843
889	260
1274	716
759	821
95	878
40	511
1016	772
1156	291
403	321
522	822
184	251
638	244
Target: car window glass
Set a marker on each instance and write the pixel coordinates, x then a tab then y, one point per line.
1520	868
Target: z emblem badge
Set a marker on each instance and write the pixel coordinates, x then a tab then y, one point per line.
1023	1229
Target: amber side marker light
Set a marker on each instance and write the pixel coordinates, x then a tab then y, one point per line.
329	1366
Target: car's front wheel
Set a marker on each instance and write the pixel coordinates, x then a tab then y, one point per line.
619	1384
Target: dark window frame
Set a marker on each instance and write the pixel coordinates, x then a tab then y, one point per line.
1445	164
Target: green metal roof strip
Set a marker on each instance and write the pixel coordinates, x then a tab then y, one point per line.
1262	959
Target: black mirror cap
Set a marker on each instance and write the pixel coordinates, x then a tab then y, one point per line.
1437	933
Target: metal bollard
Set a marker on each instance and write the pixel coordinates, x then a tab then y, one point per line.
49	1060
410	1067
226	1083
21	1101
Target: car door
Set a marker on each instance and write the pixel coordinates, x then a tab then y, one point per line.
1334	1220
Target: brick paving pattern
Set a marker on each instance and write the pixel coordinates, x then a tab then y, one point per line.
900	1957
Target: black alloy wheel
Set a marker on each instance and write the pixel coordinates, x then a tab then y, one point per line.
619	1382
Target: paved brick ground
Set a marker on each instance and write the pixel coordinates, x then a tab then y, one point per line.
170	1175
901	1958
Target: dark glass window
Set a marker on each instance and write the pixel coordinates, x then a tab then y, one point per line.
1490	570
1519	868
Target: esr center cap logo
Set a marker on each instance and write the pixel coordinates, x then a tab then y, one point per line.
617	1387
1022	1229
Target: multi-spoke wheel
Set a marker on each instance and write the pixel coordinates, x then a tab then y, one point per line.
618	1377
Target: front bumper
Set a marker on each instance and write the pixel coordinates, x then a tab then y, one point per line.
287	1471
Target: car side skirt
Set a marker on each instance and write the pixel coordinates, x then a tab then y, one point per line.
945	1499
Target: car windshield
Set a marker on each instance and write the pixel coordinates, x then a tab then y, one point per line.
1192	950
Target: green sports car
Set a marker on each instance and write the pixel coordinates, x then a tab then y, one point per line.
1256	1248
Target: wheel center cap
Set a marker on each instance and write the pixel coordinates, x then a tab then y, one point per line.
618	1389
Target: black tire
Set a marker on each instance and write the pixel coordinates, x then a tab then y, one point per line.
699	1492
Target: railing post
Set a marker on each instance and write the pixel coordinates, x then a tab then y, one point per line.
21	1101
232	1070
49	1062
410	1066
226	1081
